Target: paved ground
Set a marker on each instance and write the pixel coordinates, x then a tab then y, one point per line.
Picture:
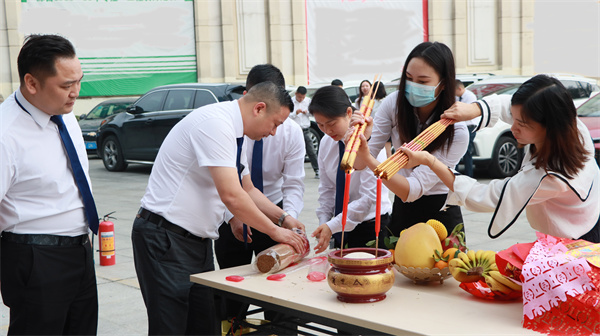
122	310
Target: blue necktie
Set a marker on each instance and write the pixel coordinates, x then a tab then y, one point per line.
257	160
82	183
340	182
238	163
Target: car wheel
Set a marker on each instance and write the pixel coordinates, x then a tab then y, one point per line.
507	157
112	155
315	139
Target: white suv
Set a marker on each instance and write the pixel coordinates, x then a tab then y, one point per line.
495	148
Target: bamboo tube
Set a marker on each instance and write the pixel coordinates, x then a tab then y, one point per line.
397	161
351	147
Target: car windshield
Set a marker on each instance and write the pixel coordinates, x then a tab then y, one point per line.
591	108
103	111
482	90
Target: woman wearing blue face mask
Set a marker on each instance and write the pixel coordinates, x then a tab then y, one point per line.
426	90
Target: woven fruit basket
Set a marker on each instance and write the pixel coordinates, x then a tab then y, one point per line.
424	275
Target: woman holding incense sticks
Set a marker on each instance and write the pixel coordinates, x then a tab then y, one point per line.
559	182
332	112
426	90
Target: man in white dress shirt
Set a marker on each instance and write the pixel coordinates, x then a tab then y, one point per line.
48	278
282	177
465	96
301	116
199	172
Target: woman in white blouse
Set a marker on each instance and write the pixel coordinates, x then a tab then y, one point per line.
559	181
332	112
426	90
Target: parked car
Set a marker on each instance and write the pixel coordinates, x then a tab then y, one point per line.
589	113
89	122
495	148
134	136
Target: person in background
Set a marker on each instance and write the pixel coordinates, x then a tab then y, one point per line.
333	113
276	165
426	90
46	207
337	82
199	172
301	116
559	182
465	96
364	88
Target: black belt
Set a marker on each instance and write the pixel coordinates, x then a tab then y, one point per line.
164	223
44	239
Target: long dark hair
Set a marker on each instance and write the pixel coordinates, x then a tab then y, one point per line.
439	57
330	101
361	95
546	101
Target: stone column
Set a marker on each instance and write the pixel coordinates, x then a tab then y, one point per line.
299	41
527	12
509	37
209	41
281	37
10	45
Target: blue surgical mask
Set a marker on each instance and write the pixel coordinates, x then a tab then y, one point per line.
419	95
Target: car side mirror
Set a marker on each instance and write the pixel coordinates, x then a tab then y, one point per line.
81	117
134	109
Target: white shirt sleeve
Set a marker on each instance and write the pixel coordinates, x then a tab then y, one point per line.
494	108
293	172
383	124
326	191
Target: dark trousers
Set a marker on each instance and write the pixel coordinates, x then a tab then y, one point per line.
310	151
164	262
362	234
50	290
405	215
468	157
594	234
231	252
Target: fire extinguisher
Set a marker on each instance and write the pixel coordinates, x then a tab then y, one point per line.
106	240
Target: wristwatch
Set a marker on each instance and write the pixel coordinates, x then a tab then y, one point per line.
282	218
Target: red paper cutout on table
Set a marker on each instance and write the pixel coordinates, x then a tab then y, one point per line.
234	278
481	290
276	277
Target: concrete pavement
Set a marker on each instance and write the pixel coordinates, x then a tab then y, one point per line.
122	311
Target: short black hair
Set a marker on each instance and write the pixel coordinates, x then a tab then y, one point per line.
269	92
39	54
459	84
330	101
337	82
301	90
264	73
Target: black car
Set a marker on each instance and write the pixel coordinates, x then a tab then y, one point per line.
134	136
90	122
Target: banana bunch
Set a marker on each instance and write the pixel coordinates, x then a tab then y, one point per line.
472	266
500	283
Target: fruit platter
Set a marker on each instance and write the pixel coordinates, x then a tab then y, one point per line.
423	251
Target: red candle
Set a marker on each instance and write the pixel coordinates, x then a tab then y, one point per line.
378	209
346	199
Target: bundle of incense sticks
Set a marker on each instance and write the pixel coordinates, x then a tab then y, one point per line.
366	107
397	161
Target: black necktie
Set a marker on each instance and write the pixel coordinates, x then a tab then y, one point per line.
82	183
340	182
238	163
257	160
